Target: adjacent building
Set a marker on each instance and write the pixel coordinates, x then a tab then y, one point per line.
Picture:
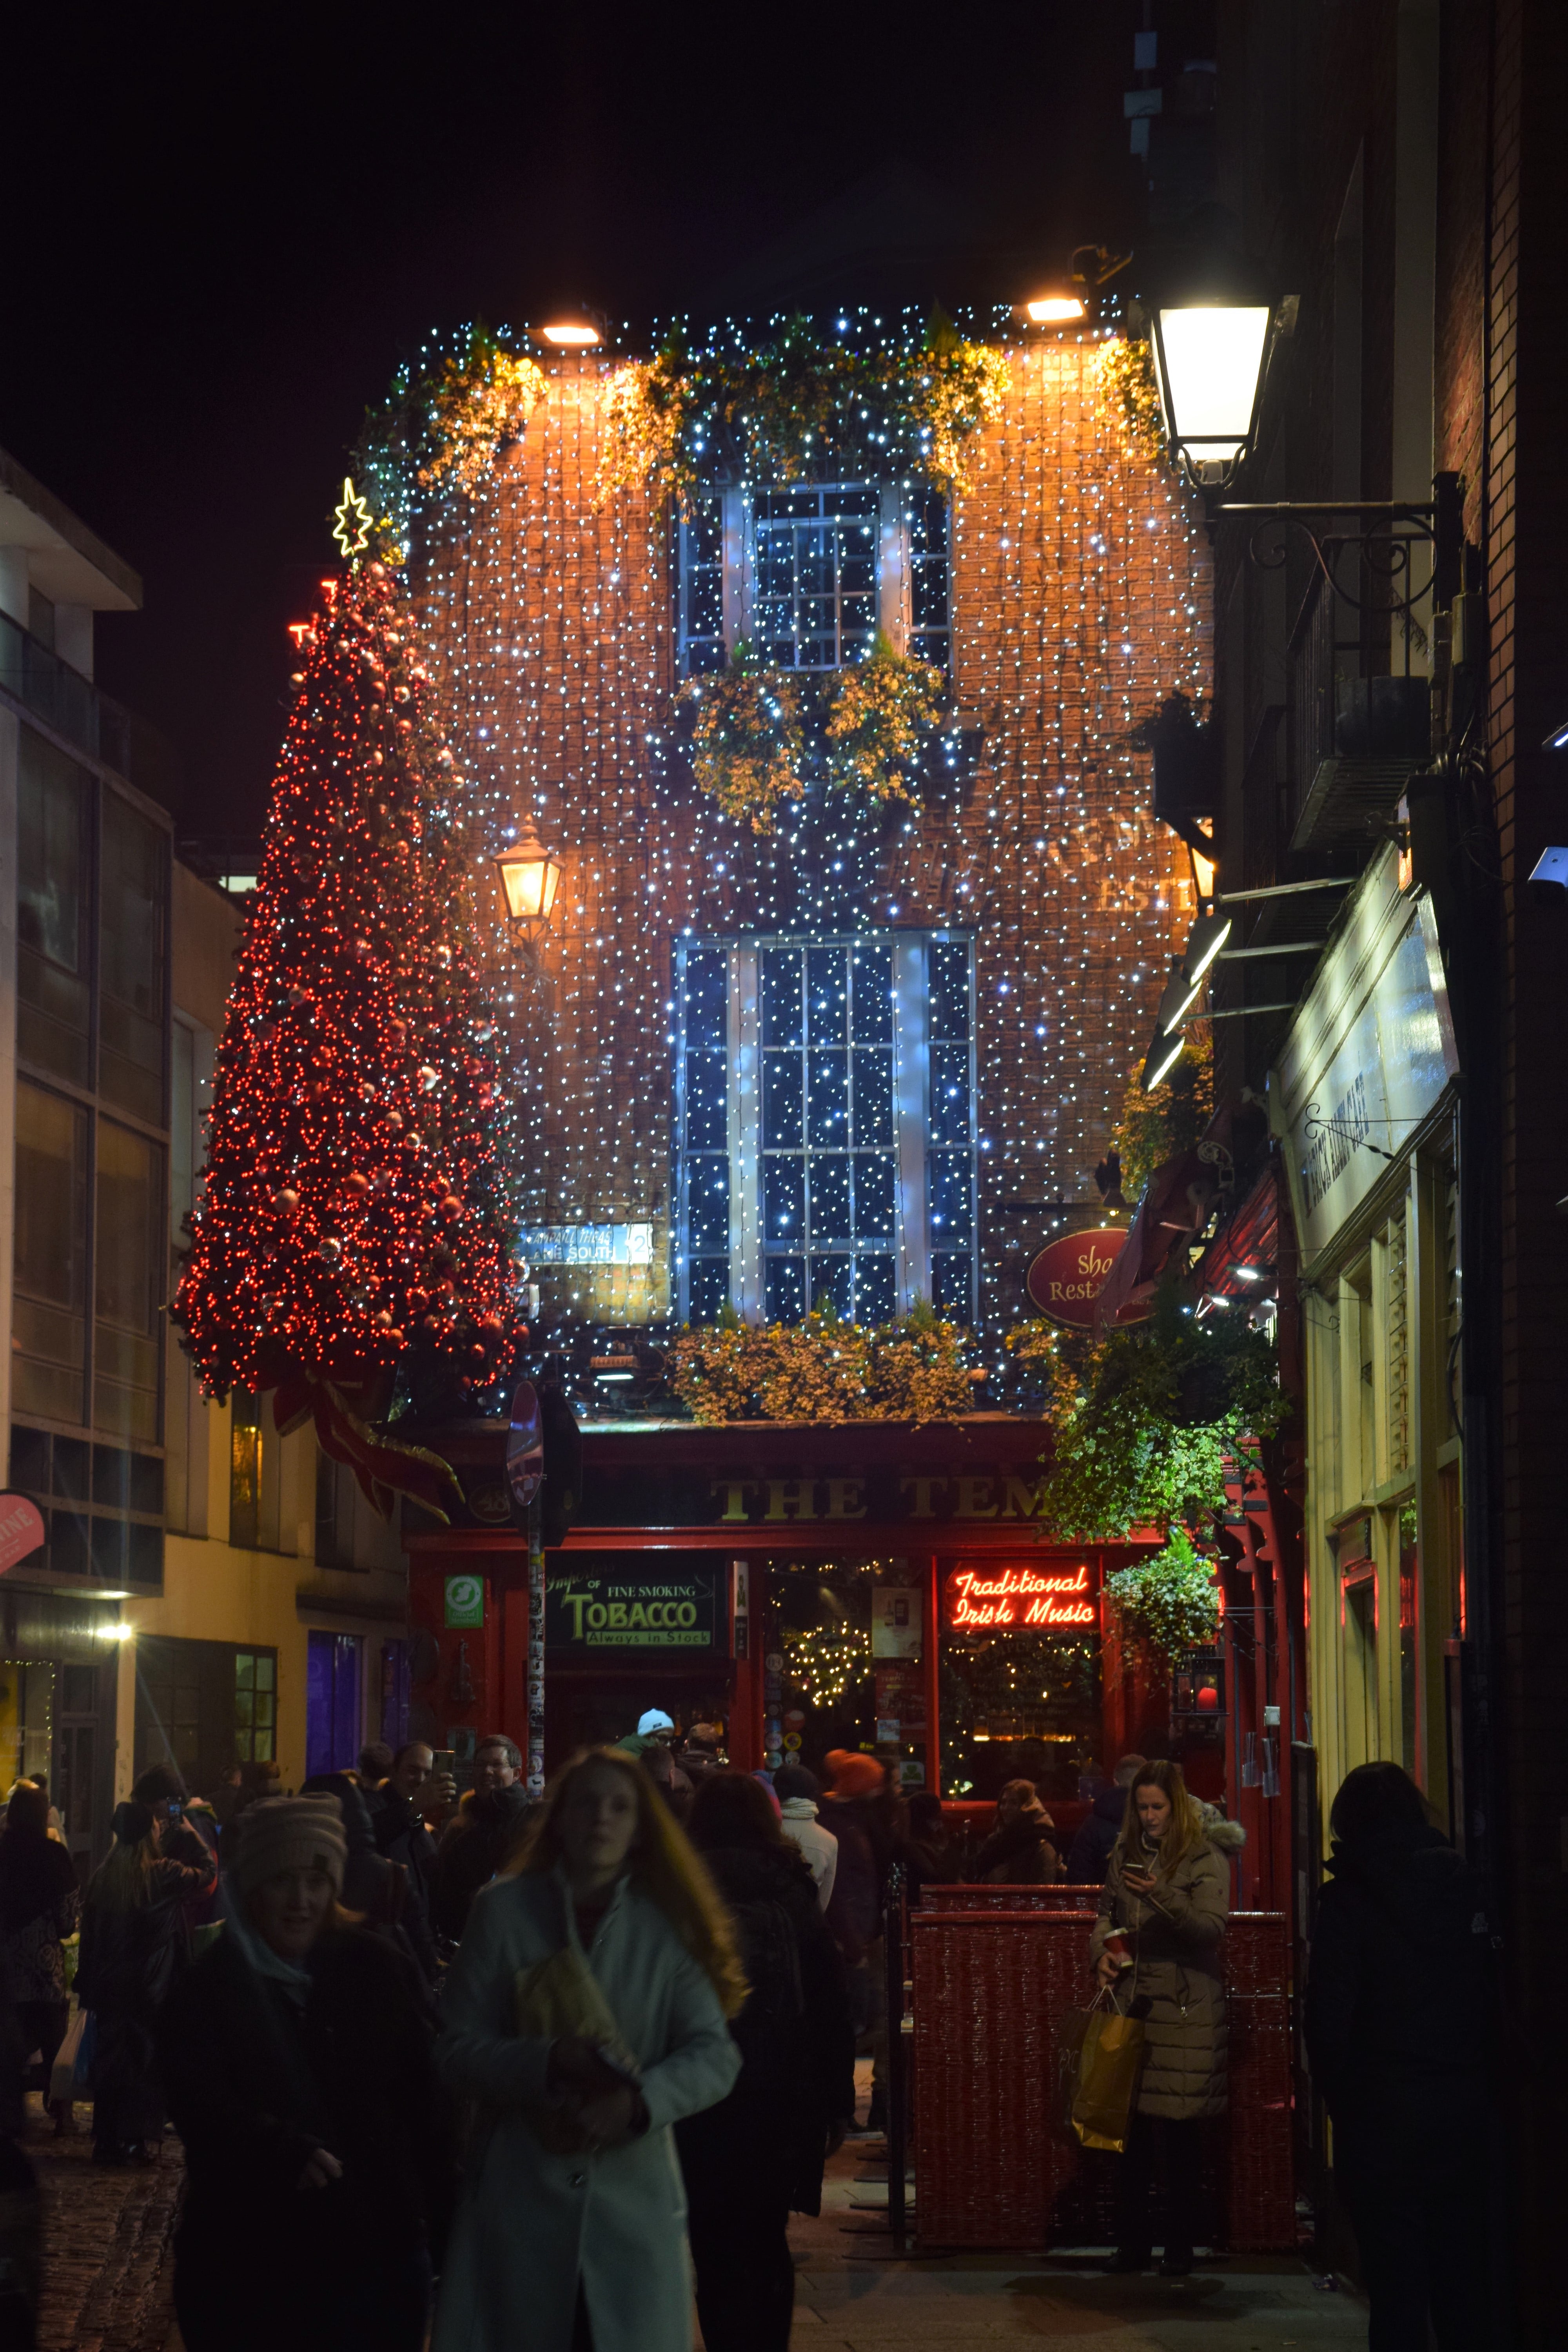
205	1590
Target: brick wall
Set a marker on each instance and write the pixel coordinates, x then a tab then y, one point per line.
1080	599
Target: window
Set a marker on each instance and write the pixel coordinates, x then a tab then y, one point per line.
808	573
256	1475
203	1707
130	1011
50	1316
102	1506
929	626
702	586
814	600
333	1703
826	1132
127	1283
53	817
255	1706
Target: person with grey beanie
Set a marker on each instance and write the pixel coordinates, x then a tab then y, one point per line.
797	1791
297	2055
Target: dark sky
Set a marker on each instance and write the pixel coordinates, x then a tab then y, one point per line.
225	227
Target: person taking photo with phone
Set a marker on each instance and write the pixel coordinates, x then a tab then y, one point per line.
584	2015
1155	1948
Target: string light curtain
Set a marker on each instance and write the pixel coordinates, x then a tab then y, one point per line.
1079	601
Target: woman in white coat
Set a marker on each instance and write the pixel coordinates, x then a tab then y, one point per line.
571	2236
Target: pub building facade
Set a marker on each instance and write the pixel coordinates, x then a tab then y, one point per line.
871	1056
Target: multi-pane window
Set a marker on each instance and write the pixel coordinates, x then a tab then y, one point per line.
48	1330
814	604
53	822
127	1258
130	961
256	1475
830	1170
255	1706
702	586
826	1142
931	631
808	573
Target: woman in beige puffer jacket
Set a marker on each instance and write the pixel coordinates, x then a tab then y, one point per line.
1166	1897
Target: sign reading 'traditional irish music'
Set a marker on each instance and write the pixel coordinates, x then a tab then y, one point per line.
1023	1600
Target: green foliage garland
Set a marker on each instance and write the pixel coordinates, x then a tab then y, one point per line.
823	1369
1143	1420
1169	1602
785	408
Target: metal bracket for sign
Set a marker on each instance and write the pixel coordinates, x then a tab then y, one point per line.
1393	528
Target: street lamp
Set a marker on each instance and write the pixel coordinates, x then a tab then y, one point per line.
1208	357
530	878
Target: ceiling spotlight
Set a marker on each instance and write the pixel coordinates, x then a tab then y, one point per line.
1558	739
1161	1060
1056	309
571	329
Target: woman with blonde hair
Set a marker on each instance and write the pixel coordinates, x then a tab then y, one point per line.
1156	1947
584	2015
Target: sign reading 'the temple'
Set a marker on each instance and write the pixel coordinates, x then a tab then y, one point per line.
982	1598
605	1610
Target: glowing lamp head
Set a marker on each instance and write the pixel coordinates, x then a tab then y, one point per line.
530	878
1208	357
569	330
1056	309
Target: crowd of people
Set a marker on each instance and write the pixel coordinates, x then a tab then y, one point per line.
517	2064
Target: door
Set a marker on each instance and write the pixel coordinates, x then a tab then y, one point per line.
333	1703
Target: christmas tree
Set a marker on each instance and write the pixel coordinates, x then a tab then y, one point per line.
355	1223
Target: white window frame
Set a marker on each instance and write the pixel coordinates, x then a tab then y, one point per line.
896	502
912	1140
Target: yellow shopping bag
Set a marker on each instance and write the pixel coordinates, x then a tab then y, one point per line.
561	1996
1110	2060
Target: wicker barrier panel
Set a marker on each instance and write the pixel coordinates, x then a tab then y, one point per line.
1061	1897
989	1986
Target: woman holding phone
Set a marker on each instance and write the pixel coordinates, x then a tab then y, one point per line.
572	2234
1157	1945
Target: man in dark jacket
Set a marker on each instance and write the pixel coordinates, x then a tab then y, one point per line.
1088	1857
402	1834
1399	2018
482	1835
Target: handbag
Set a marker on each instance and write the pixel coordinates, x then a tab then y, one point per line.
561	1997
1108	2060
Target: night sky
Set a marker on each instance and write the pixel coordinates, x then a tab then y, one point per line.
224	230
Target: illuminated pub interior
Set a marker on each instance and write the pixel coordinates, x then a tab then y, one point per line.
850	1050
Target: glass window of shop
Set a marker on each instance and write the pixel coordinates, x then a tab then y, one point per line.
49	1315
54	815
128	1249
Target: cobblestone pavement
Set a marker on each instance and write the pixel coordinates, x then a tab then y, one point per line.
107	2277
855	2293
106	2272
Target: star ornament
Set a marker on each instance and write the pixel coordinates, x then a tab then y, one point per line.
353	519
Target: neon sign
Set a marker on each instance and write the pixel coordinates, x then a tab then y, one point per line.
1021	1598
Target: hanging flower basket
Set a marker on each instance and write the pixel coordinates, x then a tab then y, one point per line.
747	747
882	717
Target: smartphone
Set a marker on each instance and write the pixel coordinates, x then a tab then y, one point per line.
445	1763
176	1809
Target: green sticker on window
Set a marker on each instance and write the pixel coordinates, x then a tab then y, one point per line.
465	1600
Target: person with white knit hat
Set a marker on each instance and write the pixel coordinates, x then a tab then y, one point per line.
297	2058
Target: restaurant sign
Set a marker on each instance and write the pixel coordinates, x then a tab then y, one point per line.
990	1598
1069	1273
1367	1057
599	1612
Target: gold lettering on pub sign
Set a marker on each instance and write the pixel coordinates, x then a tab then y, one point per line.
969	1495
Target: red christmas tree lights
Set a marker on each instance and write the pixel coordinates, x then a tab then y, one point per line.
356	1217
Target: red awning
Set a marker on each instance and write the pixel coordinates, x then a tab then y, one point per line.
1174	1211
